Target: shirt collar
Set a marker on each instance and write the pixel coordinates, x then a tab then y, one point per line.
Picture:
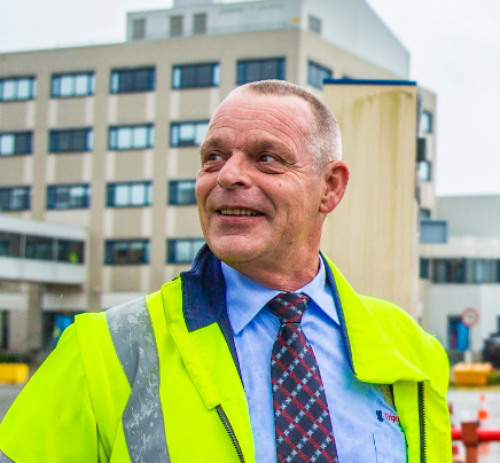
246	298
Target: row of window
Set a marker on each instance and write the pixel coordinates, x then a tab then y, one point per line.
125	137
143	79
462	271
77	196
117	252
41	248
136	252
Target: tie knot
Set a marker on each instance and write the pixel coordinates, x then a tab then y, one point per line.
289	307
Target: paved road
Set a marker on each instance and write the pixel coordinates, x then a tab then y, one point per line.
465	405
8	393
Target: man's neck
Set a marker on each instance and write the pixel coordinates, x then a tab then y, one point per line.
283	278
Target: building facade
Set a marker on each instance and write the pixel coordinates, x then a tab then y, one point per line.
105	138
464	273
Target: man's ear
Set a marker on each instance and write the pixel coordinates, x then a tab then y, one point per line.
335	177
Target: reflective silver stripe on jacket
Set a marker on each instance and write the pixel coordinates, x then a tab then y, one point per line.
133	338
4	458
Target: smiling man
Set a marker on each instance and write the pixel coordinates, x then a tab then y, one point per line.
262	352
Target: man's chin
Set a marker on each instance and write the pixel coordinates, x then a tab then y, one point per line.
236	250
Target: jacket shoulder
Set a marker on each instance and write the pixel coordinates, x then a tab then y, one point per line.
412	341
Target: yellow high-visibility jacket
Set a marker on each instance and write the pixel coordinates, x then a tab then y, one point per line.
157	380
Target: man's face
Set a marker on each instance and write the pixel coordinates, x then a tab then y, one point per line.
258	196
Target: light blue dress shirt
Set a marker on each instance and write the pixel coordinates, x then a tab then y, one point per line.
364	421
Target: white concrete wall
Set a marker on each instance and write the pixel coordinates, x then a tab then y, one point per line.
354	26
349	24
471	215
452	299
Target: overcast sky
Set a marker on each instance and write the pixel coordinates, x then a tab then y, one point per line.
454	47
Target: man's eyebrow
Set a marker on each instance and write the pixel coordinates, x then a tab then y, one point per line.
212	143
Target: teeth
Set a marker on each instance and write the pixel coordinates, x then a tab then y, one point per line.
245	212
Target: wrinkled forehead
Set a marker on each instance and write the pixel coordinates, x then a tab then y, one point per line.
287	116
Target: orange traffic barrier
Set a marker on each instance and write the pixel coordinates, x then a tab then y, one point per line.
471	436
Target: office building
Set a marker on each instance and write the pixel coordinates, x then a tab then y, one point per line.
104	139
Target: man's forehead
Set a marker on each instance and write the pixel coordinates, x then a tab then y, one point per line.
283	113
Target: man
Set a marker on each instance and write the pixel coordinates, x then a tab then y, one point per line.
262	351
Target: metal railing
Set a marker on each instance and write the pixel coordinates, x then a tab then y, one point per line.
471	435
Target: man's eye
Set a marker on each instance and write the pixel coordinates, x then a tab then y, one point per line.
214	157
267	158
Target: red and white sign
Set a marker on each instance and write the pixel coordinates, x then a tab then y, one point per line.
470	316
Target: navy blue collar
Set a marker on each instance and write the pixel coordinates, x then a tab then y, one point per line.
204	298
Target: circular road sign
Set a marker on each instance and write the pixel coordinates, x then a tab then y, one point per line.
470	316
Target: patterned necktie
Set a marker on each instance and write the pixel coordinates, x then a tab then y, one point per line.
301	418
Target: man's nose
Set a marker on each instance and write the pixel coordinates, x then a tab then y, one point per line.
235	172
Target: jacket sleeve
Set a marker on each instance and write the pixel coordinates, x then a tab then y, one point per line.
52	420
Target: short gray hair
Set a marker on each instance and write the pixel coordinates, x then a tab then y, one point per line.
324	141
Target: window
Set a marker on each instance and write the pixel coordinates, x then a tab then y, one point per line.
183	250
316	74
421	149
425	213
261	69
424	268
68	196
127	252
73	84
466	271
176	26
433	231
181	192
131	137
139	29
315	24
196	75
132	80
188	133
131	194
39	247
71	140
17	88
15	199
15	143
200	24
10	244
424	171
70	251
426	122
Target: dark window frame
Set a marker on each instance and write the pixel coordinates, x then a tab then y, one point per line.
177	28
18	152
133	86
430	117
150	136
90	84
313	65
52	196
26	199
171	257
73	133
111	190
178	69
177	126
174	198
241	69
200	21
427	178
109	251
32	92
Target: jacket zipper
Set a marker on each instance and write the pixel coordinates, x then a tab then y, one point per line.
421	415
230	432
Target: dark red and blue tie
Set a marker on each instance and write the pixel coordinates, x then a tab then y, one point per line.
301	418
